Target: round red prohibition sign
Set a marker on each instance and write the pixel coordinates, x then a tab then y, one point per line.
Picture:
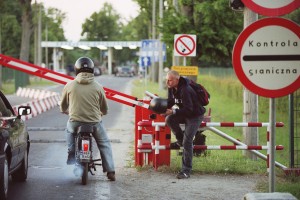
266	57
185	45
272	8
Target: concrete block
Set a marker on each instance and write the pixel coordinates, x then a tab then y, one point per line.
269	196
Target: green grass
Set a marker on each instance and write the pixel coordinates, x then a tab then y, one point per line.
227	106
9	86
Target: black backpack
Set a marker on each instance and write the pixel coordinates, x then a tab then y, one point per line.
199	139
202	93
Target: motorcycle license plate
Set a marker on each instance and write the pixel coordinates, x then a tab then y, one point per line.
85	155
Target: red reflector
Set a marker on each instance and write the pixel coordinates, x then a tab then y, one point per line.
85	147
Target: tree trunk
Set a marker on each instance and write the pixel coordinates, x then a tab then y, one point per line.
188	11
27	29
250	103
22	79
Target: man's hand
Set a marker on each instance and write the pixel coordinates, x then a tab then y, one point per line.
168	112
65	112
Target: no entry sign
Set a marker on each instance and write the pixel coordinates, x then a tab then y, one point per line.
272	7
184	45
266	57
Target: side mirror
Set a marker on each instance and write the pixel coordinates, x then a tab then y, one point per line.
24	110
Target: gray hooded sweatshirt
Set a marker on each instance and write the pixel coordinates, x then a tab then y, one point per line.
84	99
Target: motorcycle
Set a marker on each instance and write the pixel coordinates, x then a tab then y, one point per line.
84	161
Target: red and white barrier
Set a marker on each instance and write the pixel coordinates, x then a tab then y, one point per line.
63	79
210	147
216	124
44	101
145	148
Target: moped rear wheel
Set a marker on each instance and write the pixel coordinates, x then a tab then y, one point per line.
84	178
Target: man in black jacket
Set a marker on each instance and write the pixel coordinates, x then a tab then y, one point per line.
183	108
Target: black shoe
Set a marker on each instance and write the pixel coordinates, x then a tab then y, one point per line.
71	158
111	176
175	145
182	175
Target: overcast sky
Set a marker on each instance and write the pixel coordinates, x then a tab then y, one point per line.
78	10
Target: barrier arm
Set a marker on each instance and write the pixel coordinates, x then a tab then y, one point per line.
51	75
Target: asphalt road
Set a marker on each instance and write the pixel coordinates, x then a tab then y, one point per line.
49	177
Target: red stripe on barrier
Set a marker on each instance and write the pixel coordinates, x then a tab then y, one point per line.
145	123
113	92
279	124
228	147
227	124
254	124
203	124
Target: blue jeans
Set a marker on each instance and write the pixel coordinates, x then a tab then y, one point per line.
101	139
185	137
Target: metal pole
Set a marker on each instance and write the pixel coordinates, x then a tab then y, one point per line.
153	38
46	49
39	42
291	129
272	146
160	66
110	59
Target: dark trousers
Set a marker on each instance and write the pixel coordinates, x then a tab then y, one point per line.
185	137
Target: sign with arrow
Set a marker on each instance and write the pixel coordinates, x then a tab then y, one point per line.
145	61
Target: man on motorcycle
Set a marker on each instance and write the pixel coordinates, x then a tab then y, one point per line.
84	100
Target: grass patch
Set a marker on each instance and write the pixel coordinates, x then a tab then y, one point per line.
8	87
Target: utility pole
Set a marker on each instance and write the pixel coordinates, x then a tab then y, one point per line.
175	61
153	71
46	49
39	48
250	101
161	62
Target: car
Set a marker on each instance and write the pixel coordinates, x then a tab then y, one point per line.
124	71
14	144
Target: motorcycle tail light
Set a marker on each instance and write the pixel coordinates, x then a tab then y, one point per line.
85	145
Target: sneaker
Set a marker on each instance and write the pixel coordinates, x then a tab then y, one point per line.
182	175
71	158
111	176
175	145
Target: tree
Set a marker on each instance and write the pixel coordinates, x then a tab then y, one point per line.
52	30
10	27
104	25
214	23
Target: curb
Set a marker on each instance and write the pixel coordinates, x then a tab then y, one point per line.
44	101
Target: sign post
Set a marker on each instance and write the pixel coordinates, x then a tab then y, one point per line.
266	59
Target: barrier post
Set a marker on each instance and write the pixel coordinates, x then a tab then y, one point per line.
145	133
